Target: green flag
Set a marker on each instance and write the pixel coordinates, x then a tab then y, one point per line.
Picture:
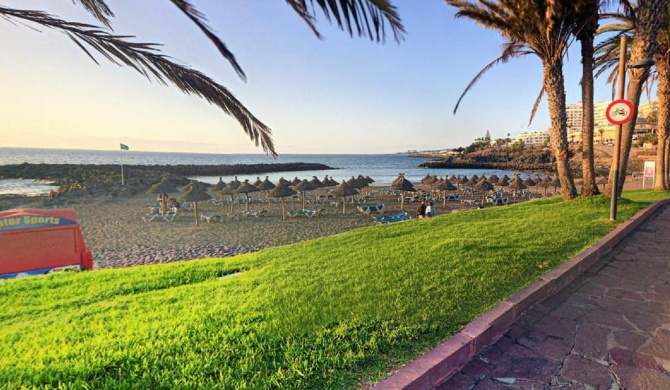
124	147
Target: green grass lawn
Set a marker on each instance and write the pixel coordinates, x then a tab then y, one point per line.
328	313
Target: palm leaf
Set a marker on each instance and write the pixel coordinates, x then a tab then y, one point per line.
199	19
366	18
99	10
147	60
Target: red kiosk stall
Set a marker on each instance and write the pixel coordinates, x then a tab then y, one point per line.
38	241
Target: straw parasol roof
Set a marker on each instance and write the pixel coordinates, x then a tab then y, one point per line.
245	189
425	179
218	186
316	182
194	194
462	180
475	178
332	182
402	184
194	183
353	183
446	185
342	191
555	182
452	178
503	182
284	181
471	182
483	185
303	187
493	179
516	185
282	191
295	181
326	182
162	187
266	185
257	182
529	182
369	179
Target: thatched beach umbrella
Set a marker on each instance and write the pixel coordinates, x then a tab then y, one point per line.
266	185
342	191
445	186
332	182
316	182
425	179
295	181
503	182
493	179
162	187
462	180
369	179
257	182
245	189
236	183
516	186
402	184
452	179
194	194
284	181
529	182
194	183
303	187
483	185
472	182
229	189
544	183
218	186
282	191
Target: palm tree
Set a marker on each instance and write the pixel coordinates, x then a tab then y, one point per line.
542	28
626	23
367	18
585	28
647	19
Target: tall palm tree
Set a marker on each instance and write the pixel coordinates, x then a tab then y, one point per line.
542	28
625	23
648	18
366	18
586	26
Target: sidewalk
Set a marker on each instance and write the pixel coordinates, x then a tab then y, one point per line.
607	329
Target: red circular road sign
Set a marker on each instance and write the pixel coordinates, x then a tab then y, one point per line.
619	112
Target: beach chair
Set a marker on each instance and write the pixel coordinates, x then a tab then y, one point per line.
255	213
168	217
209	217
391	218
315	212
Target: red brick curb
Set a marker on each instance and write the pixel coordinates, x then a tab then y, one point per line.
439	364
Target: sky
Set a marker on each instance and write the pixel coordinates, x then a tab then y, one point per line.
336	95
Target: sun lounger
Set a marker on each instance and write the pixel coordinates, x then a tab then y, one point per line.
390	218
306	213
371	208
454	197
169	217
500	201
255	213
209	217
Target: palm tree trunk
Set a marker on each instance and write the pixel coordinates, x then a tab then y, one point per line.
650	15
554	86
589	188
586	37
663	93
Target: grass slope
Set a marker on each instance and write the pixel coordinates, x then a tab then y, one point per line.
328	313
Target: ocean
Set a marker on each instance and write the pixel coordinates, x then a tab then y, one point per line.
382	168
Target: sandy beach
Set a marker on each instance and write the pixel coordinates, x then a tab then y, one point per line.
114	231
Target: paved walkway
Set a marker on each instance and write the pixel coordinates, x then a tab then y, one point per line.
608	329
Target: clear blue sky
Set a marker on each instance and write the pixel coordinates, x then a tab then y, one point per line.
336	95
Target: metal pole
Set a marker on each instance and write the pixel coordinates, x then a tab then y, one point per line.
617	134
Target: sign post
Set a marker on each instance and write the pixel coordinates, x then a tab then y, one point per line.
618	112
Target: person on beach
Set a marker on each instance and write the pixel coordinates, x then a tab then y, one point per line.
421	210
430	210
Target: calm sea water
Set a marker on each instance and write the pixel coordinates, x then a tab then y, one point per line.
383	168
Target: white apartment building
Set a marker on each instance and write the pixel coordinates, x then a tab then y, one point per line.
536	138
575	111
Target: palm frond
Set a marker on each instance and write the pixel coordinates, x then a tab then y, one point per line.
99	10
366	18
147	60
512	49
198	18
535	106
